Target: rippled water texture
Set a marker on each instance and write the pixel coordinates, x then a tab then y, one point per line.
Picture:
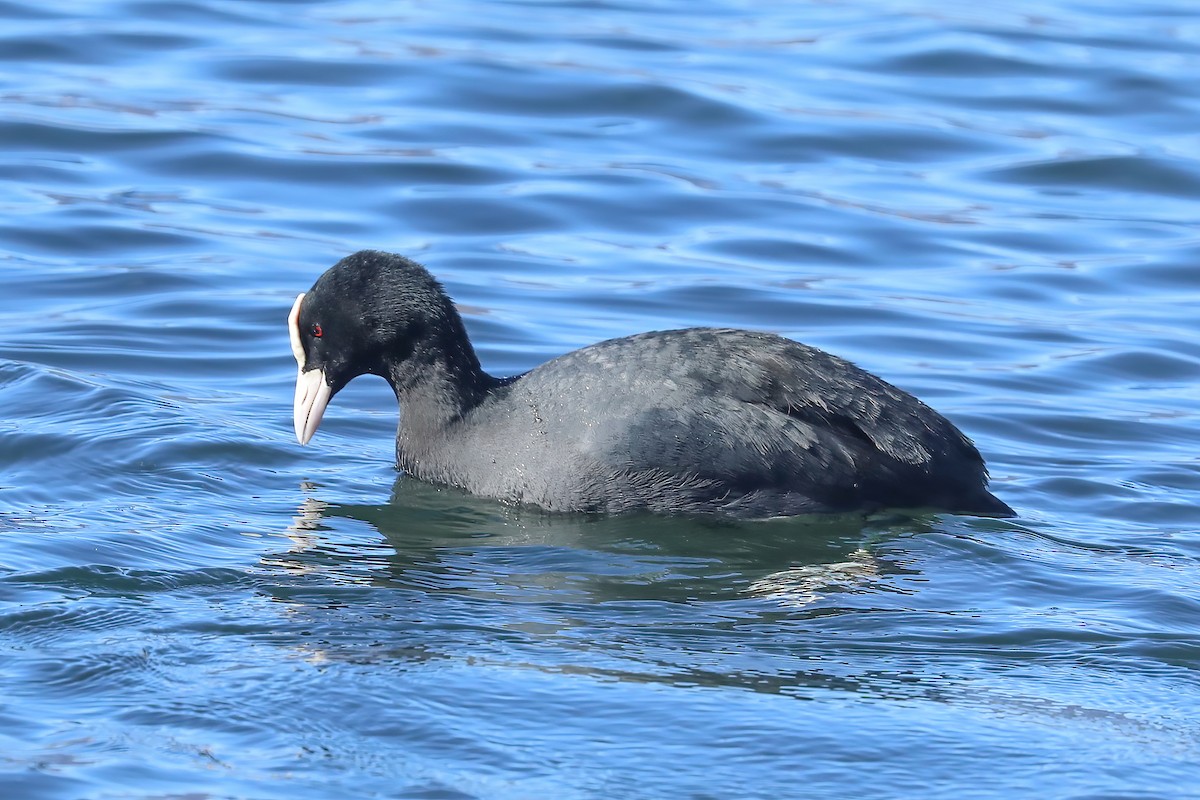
994	208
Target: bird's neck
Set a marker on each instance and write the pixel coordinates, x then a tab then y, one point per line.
434	396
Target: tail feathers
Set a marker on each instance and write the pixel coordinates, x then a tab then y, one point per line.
983	504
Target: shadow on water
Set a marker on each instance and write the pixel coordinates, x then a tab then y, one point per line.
439	580
438	576
437	539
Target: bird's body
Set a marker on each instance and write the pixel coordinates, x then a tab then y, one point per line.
700	420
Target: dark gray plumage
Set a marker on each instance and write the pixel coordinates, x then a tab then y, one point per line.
689	421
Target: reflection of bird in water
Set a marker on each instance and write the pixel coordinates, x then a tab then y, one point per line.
308	519
440	540
805	584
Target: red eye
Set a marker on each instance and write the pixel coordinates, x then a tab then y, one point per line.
316	331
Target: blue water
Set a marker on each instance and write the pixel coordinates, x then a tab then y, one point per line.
993	208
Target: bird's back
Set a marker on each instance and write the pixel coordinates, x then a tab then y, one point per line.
717	420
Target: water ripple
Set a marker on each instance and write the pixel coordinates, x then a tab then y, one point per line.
992	208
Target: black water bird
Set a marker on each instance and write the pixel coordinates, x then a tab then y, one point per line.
702	420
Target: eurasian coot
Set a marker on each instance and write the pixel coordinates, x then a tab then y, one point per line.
703	420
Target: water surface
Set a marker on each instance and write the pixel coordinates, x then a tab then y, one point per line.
994	209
